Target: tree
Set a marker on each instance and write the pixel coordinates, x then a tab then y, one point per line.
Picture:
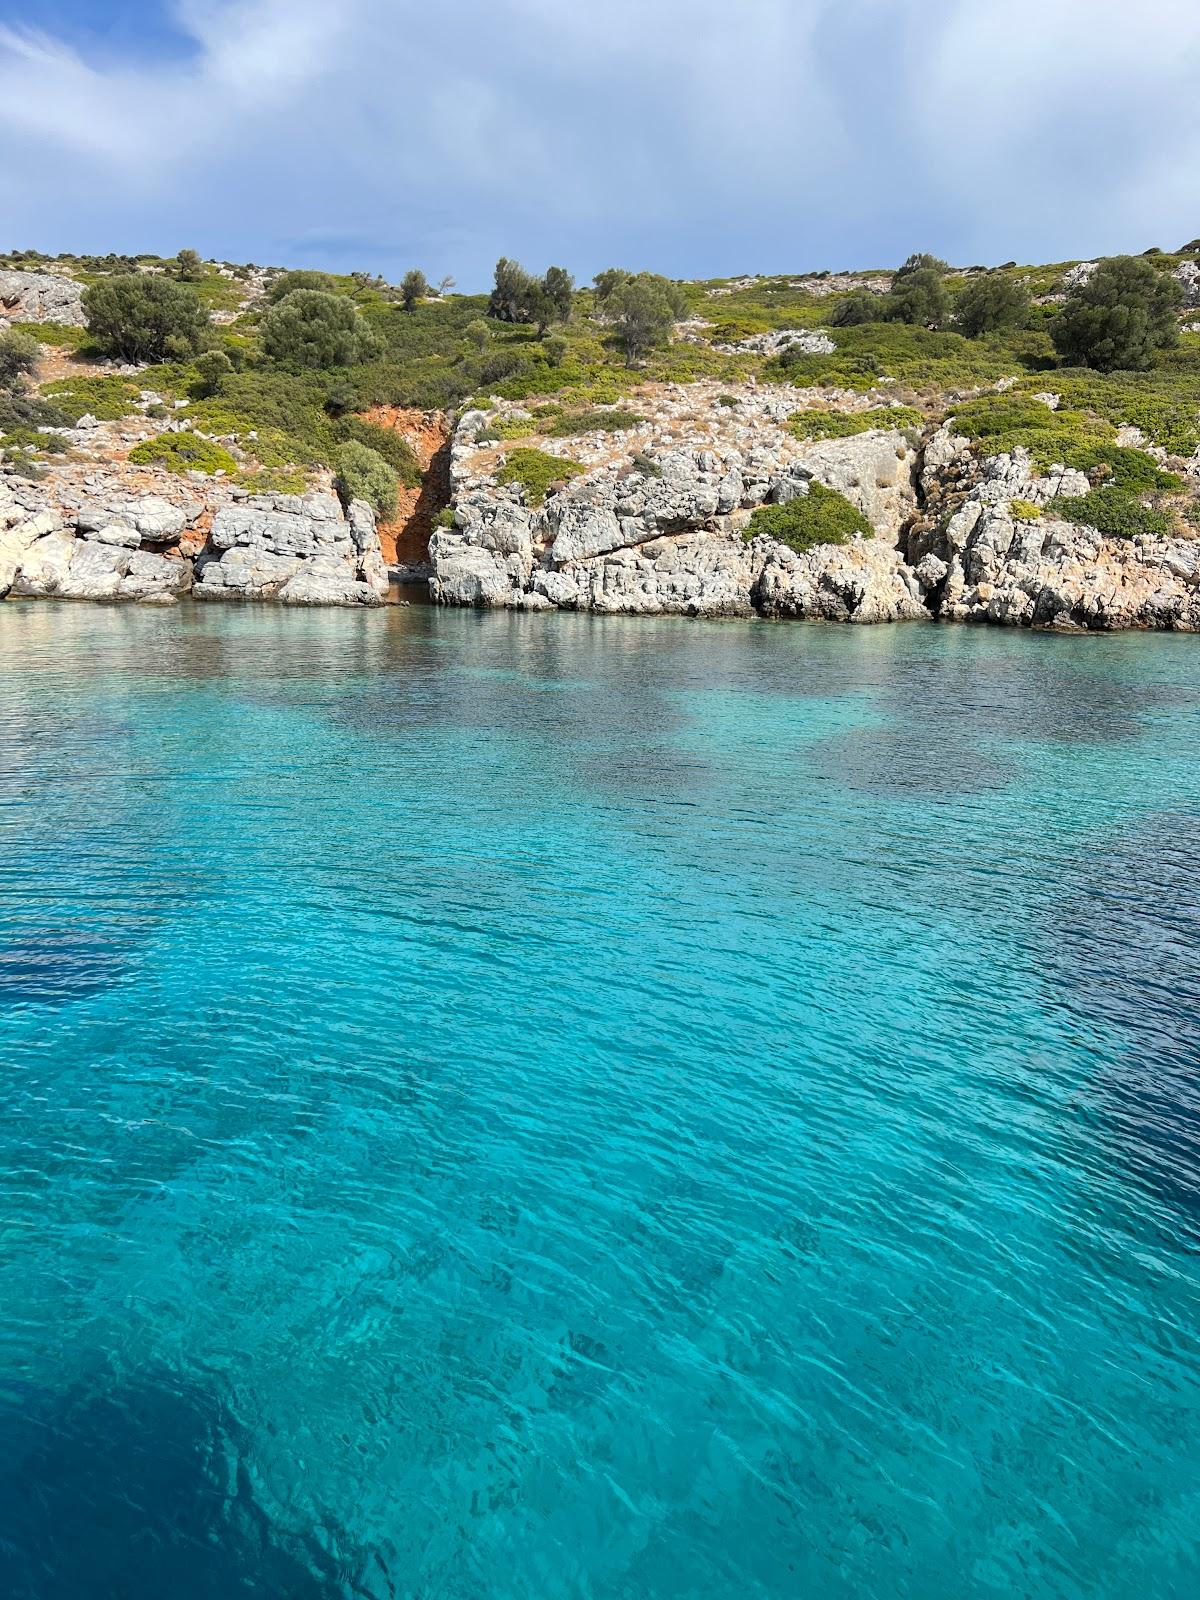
559	288
414	286
189	266
644	309
479	334
556	349
919	298
1120	318
363	474
311	329
513	291
446	284
856	309
993	304
604	283
302	279
18	360
518	296
922	261
139	318
214	367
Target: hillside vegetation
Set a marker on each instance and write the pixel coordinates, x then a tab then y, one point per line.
269	371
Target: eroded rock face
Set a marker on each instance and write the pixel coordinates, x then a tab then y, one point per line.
663	532
41	297
982	564
297	549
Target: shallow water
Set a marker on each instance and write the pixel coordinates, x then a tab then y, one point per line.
553	1106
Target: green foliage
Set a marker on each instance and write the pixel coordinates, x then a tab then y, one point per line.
999	424
646	465
309	328
386	443
183	452
136	317
917	297
822	516
414	286
444	518
922	261
993	303
107	398
844	424
320	282
363	474
518	296
536	472
855	309
21	417
479	334
1025	510
555	348
59	334
274	480
18	359
644	309
214	368
1120	319
188	266
1115	513
615	421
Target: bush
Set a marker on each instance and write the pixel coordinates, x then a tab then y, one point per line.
106	398
518	296
18	360
844	424
918	297
993	304
1024	510
593	422
414	286
555	348
183	452
536	472
1120	319
363	474
309	328
856	309
188	266
387	443
140	318
444	518
922	261
644	310
479	334
321	282
1114	513
214	367
822	516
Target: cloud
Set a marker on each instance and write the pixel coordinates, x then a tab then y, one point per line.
688	135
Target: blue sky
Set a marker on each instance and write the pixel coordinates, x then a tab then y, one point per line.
693	137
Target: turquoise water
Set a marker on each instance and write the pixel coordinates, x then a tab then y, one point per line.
502	1106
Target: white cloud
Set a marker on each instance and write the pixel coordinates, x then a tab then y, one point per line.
689	134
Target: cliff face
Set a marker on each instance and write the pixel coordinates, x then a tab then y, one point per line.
656	525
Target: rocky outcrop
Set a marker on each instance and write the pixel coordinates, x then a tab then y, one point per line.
658	527
297	549
978	562
41	297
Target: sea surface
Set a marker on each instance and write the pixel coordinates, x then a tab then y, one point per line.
523	1107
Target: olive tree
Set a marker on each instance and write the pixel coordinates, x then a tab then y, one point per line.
137	317
1120	319
311	329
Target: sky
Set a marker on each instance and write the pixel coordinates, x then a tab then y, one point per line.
699	138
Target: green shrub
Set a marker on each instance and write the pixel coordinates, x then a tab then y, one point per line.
385	442
919	298
414	286
1120	319
999	424
321	282
646	465
555	348
593	422
61	335
922	261
444	518
1024	510
1115	513
992	304
644	310
727	400
822	516
844	424
107	398
18	359
188	266
136	317
363	474
274	480
183	452
855	309
536	472
214	367
309	328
